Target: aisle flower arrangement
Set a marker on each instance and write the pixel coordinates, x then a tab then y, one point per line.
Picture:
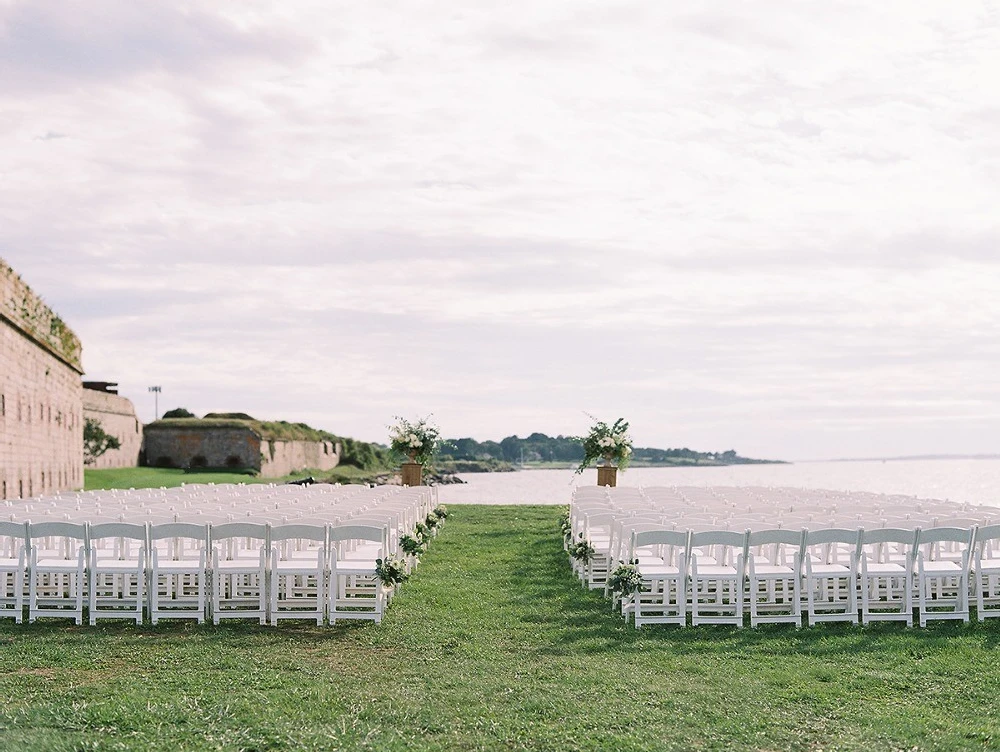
625	579
417	441
390	571
610	445
582	550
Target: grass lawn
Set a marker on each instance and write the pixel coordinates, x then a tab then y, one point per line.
155	477
493	645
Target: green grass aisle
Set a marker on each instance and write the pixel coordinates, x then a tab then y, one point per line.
494	646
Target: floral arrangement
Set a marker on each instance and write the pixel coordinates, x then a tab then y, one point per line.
390	571
418	441
625	579
612	444
582	551
412	544
432	520
441	511
566	525
422	532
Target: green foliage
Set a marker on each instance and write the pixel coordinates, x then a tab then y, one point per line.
179	412
363	455
96	441
441	511
611	444
432	520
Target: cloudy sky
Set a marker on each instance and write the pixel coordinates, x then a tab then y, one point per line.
765	226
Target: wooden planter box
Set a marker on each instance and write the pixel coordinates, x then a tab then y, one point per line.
607	475
411	473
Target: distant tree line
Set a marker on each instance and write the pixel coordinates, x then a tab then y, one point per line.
539	447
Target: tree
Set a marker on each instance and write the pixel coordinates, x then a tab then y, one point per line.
96	441
179	412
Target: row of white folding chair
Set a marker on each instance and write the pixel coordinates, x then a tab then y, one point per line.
889	566
59	557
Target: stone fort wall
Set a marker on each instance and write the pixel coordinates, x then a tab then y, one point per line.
117	417
41	400
234	447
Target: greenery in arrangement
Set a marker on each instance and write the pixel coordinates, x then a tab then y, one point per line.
496	648
582	550
625	579
432	520
441	511
609	444
390	571
417	441
96	441
412	544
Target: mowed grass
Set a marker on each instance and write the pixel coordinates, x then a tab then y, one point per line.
494	645
155	477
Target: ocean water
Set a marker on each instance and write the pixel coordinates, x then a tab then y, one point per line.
964	480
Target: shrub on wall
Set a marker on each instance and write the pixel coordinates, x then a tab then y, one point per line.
179	412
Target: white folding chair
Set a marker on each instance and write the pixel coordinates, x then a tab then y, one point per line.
774	576
887	575
663	599
116	573
178	572
56	572
355	590
718	569
830	574
298	572
239	571
943	582
13	561
986	576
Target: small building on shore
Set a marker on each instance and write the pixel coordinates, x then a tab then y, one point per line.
41	396
271	448
116	414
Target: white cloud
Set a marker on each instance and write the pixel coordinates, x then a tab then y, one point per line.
769	227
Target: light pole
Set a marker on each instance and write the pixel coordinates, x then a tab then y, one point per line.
156	400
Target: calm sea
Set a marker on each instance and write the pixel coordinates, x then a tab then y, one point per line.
974	481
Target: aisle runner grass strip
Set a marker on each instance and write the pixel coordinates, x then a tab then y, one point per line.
494	645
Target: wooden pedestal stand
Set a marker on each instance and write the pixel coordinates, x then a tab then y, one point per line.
411	473
607	475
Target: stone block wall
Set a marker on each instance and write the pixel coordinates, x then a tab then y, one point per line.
171	446
41	400
279	458
234	447
117	416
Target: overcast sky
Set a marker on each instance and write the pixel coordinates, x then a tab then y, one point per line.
765	226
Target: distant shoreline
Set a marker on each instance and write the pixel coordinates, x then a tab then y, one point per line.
915	457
